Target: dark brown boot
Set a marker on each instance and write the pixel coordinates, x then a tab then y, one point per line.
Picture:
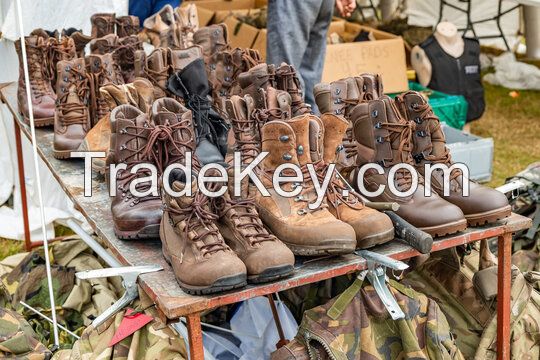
246	128
287	80
266	258
102	70
384	137
154	67
187	23
41	92
483	205
133	217
124	55
102	24
139	93
127	26
103	45
72	116
256	81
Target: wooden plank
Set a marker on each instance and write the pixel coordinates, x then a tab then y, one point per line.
162	286
504	288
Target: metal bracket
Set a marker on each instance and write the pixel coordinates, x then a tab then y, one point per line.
376	274
129	276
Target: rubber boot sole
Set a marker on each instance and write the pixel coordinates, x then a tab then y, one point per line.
329	247
271	274
446	229
62	154
40	122
223	284
488	217
147	232
376	239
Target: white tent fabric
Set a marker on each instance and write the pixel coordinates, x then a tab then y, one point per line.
426	13
47	14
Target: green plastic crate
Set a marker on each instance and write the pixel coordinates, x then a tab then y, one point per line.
451	109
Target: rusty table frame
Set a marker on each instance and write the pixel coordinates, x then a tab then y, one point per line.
172	303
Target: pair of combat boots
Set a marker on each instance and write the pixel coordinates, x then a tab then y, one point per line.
173	28
262	121
389	132
106	23
213	244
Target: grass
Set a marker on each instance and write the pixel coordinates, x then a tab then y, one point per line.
514	125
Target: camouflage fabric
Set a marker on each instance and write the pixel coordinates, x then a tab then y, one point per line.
152	342
356	325
472	317
77	301
18	340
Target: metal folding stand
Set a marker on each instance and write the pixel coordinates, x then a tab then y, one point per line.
470	23
172	303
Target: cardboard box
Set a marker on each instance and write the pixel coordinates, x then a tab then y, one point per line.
385	56
241	35
220	16
207	9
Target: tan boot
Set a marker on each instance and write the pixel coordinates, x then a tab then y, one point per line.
484	204
79	39
140	94
102	24
154	67
72	116
287	80
212	39
160	28
187	21
266	258
371	226
103	45
306	232
127	26
124	55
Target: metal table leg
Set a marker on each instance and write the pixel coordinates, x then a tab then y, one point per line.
193	323
504	286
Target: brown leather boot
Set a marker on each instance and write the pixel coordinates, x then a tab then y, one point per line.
371	226
102	70
266	258
306	232
193	245
139	93
483	205
102	24
246	128
384	137
72	116
187	23
103	45
160	28
42	94
133	217
154	67
212	39
127	26
287	80
79	39
180	58
124	55
257	78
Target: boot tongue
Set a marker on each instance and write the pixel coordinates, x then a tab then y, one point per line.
142	90
392	113
372	86
137	143
301	128
353	92
278	100
156	60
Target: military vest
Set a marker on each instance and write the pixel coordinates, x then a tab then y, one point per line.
457	76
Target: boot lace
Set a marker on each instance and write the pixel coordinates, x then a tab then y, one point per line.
289	77
245	141
37	68
201	221
74	112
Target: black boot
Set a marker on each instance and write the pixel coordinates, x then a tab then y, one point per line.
211	130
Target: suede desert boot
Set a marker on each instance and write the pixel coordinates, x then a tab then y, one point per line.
127	26
245	126
212	39
160	28
154	67
124	55
72	116
192	243
187	23
383	136
102	24
287	80
484	204
79	39
103	45
133	217
255	81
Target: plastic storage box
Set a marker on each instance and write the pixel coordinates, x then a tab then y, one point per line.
471	150
451	109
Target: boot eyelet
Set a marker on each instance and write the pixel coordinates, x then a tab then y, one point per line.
299	198
338	91
287	157
79	66
378	125
122	147
284	138
123	131
364	87
417	120
339	148
421	133
414	106
380	139
300	150
96	63
68	68
338	111
302	212
337	101
65	78
374	113
145	125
